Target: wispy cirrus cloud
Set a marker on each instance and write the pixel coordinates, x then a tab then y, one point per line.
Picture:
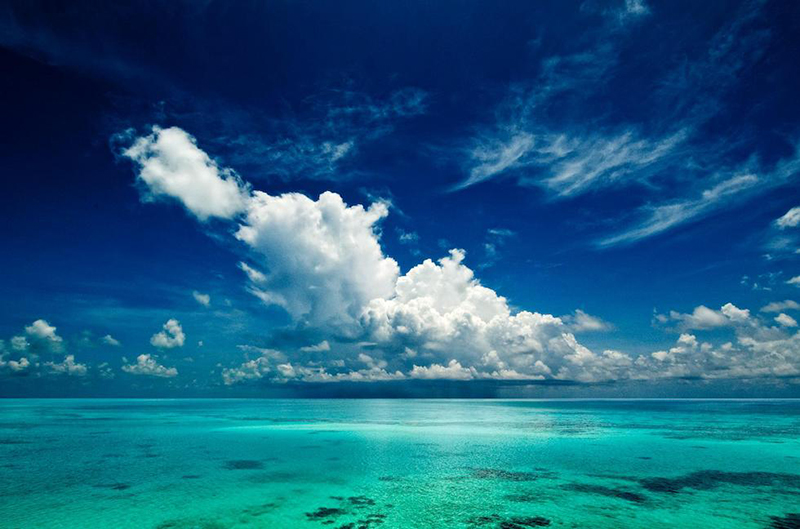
682	173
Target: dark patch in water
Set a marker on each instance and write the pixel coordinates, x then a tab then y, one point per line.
14	442
505	475
788	521
389	478
521	498
516	522
260	510
360	501
113	486
190	476
710	479
606	491
645	458
324	513
190	524
243	464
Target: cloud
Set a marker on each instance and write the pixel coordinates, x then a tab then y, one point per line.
321	347
203	299
794	281
149	366
758	351
786	320
664	154
171	165
705	318
322	258
321	261
452	371
320	139
663	217
45	333
780	306
20	343
16	366
171	336
67	367
583	322
110	340
790	219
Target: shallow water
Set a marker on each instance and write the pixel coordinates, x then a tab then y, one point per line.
209	464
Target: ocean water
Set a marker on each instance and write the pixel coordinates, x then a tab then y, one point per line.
212	464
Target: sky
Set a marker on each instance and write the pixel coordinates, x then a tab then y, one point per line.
400	199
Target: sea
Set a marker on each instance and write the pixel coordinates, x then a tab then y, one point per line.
506	464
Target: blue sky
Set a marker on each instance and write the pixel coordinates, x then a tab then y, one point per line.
450	198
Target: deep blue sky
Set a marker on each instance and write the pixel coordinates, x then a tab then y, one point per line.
626	160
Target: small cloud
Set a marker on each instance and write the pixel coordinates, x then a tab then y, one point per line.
67	367
780	306
583	322
110	340
785	320
794	281
20	343
171	336
203	299
149	366
318	348
790	219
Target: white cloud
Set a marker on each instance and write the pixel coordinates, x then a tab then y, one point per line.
790	219
171	336
583	322
45	333
663	217
170	164
794	281
321	347
67	367
452	371
254	275
705	318
786	320
323	258
20	343
203	299
110	340
780	306
323	263
148	365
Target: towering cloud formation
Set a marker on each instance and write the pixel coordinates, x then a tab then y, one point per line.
321	260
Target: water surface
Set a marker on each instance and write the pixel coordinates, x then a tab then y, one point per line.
212	464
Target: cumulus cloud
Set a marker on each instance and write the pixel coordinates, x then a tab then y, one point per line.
45	333
203	299
322	259
171	336
67	367
171	165
149	366
703	317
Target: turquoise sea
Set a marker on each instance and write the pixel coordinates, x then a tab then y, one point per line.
212	464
